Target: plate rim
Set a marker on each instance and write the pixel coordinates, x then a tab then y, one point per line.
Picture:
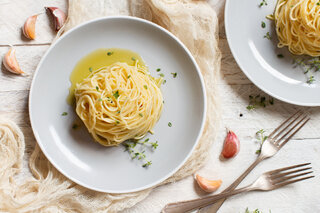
242	66
204	109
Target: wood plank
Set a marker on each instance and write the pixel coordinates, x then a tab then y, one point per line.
14	101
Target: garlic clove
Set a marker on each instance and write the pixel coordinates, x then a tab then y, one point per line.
29	27
231	145
10	62
58	15
206	184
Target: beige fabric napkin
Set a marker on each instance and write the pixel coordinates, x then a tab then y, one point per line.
195	23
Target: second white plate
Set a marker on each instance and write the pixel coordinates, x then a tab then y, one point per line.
258	56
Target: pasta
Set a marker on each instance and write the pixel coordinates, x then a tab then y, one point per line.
298	26
119	102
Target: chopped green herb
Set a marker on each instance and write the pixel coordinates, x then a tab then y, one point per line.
154	145
280	56
308	65
164	82
138	152
174	74
147	164
109	53
145	86
254	211
267	36
250	107
261	138
140	114
263	101
64	114
263	24
310	79
170	124
158	70
271	101
259	101
129	76
116	94
74	126
133	58
161	75
318	3
100	99
264	2
90	69
119	112
97	88
117	122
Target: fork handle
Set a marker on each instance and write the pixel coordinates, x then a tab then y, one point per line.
215	207
185	206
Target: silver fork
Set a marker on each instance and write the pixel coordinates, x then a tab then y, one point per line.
266	182
275	141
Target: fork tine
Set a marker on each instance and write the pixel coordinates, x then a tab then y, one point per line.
291	128
293	181
286	140
287	126
288	173
274	131
284	179
287	168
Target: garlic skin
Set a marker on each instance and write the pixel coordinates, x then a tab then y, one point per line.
10	62
29	27
231	145
58	15
206	184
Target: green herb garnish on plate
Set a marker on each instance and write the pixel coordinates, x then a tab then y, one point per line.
262	3
136	149
267	36
174	74
116	94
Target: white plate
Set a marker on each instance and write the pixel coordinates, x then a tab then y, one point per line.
73	152
257	56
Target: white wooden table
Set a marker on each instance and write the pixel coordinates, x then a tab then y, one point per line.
234	90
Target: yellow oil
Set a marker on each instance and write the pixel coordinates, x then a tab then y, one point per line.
97	59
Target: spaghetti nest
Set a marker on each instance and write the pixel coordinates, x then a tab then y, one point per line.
298	26
119	102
